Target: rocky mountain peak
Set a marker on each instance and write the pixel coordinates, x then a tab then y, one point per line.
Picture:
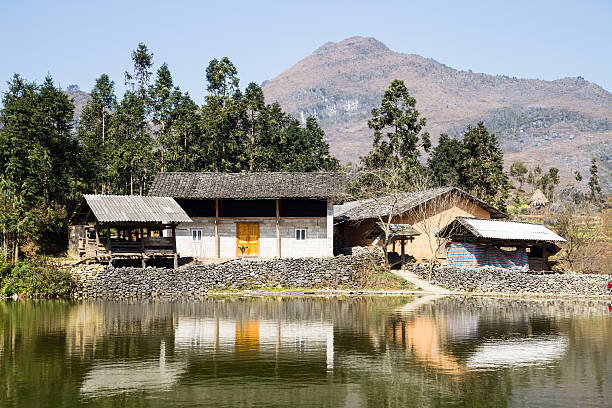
353	45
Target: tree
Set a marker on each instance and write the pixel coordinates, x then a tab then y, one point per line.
92	135
143	61
482	171
577	176
594	187
37	158
445	161
518	171
398	132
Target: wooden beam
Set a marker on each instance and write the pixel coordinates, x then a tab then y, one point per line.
403	252
217	246
174	246
97	240
278	239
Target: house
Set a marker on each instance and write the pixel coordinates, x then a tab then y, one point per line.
478	242
106	228
263	215
427	211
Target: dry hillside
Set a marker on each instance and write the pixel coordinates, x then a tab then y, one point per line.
560	123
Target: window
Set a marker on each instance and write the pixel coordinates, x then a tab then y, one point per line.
196	235
300	234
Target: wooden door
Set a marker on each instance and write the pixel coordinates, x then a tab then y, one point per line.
247	237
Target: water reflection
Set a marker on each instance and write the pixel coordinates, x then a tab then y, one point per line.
305	352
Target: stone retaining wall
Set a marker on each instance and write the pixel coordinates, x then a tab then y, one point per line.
97	280
495	280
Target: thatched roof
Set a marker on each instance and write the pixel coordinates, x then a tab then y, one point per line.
249	185
538	198
118	209
499	230
404	202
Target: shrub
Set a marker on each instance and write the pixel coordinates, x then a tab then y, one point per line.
36	280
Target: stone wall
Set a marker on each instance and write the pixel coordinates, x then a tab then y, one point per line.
495	280
97	280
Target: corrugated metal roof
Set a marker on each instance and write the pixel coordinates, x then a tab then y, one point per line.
113	208
510	230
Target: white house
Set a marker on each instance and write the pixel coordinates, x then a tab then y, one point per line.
263	215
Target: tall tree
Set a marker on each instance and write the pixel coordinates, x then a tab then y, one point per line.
445	161
482	172
594	187
37	158
398	131
518	171
92	135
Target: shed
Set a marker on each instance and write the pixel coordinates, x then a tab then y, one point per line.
538	199
535	240
111	227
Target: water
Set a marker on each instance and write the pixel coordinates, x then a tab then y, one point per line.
306	351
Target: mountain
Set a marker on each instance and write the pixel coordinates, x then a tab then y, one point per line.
560	123
79	99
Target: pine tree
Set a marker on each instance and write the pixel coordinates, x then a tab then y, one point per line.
445	161
398	132
482	172
594	187
95	160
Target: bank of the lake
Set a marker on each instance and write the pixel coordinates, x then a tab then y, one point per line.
353	274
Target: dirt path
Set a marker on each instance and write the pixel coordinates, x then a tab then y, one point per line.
423	284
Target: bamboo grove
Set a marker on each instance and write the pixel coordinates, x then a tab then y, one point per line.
118	145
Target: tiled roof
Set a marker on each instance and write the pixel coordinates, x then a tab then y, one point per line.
382	206
113	208
503	230
317	185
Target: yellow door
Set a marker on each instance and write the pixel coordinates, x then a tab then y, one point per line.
247	239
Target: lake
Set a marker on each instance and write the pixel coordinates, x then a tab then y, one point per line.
306	351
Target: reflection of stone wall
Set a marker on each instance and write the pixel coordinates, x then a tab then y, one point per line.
496	280
245	274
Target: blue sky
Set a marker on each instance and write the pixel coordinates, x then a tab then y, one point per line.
76	41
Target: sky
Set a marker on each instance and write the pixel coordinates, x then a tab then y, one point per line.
76	41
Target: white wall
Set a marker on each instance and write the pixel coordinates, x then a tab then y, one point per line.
318	243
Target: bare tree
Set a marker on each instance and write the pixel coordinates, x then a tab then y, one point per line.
379	191
438	209
585	240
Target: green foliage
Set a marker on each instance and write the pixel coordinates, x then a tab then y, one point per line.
397	132
594	187
35	279
38	162
518	171
482	170
445	161
518	206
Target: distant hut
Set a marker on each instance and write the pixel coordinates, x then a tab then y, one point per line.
538	199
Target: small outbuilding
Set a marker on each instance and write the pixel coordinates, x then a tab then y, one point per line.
106	228
425	211
538	199
475	242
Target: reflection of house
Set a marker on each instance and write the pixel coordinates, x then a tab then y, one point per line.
253	214
108	227
427	211
475	241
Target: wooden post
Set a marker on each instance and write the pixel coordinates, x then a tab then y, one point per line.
217	245
403	252
174	246
278	239
97	240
